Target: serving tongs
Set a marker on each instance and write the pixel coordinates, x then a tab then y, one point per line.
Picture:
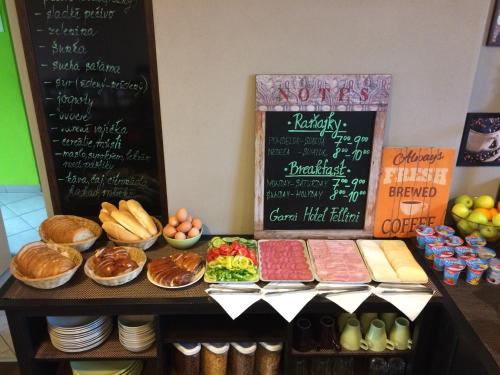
405	289
326	292
272	290
225	289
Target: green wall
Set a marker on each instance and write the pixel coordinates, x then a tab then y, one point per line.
17	162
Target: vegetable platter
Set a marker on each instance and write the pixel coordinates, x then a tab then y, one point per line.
232	259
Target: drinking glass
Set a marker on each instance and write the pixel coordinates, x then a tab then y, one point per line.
302	367
343	366
397	366
320	366
378	366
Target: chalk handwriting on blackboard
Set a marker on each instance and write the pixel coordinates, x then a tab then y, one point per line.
317	169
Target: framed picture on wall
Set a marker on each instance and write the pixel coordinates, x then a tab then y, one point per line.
480	144
494	34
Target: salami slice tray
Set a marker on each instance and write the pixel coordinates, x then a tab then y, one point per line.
284	260
337	261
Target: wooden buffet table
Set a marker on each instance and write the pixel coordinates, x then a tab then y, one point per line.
189	315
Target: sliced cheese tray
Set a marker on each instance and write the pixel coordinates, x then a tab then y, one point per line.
390	261
284	260
337	261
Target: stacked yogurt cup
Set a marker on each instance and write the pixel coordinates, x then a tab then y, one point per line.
136	332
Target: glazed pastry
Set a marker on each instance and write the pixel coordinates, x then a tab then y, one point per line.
113	261
41	261
66	230
175	270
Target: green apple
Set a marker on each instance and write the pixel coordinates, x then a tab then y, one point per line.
484	201
496	220
460	210
465	227
489	232
478	217
465	200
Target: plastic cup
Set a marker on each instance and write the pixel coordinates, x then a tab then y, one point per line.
485	253
454	241
431	242
493	274
475	240
475	270
465	252
444	230
440	256
452	269
423	231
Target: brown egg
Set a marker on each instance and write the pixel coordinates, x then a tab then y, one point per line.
193	232
180	236
172	220
169	231
189	218
184	227
197	223
181	214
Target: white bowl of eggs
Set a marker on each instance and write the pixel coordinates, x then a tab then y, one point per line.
182	230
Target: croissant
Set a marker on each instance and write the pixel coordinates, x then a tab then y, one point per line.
40	261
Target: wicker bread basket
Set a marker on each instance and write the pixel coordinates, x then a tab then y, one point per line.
85	223
141	244
52	281
137	255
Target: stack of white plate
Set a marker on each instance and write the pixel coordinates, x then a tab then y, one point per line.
137	332
78	333
106	367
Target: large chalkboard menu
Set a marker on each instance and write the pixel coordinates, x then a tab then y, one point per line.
318	144
92	69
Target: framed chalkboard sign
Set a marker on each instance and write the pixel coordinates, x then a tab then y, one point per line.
317	154
92	70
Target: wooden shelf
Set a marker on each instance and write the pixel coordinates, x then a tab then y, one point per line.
347	353
149	368
110	349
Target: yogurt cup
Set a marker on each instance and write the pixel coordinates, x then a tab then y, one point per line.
440	256
475	241
423	231
452	269
493	274
485	252
444	230
475	269
433	241
454	241
465	252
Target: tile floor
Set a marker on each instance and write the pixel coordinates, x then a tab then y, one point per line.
22	213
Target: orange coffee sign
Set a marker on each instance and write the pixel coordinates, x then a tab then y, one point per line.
413	189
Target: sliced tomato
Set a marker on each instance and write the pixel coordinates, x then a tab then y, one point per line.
225	250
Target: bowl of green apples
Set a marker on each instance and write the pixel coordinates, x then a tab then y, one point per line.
477	215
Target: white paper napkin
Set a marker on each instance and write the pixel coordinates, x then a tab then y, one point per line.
348	301
233	303
288	305
409	304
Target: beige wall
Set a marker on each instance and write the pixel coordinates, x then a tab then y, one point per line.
485	97
209	51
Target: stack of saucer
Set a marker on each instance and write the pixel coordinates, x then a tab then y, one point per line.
78	333
107	367
136	332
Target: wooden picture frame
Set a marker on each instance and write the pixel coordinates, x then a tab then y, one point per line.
339	93
493	39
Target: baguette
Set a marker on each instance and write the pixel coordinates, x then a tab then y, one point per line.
122	206
118	232
142	216
105	216
128	221
109	207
